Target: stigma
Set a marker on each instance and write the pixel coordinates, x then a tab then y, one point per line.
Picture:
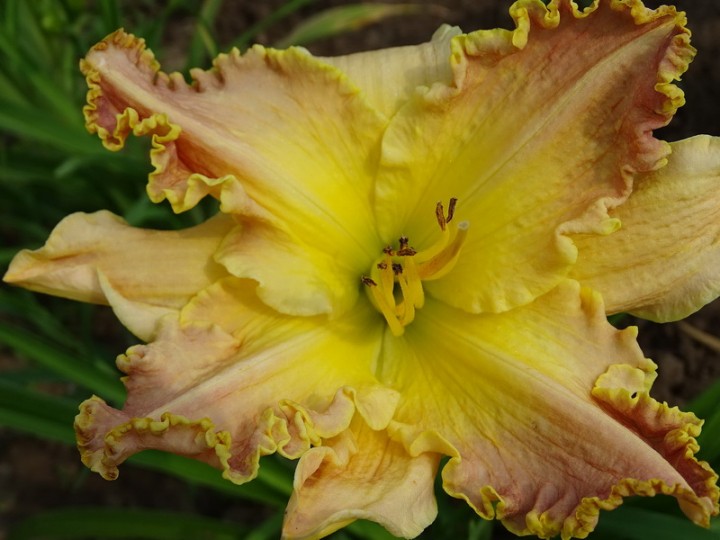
395	283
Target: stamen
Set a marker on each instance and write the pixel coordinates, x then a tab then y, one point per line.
440	215
451	209
442	262
407	268
405	249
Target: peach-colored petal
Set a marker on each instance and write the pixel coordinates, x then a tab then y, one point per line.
275	134
664	262
143	274
389	77
545	412
361	474
232	380
539	133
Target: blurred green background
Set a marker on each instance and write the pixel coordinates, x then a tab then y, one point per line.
55	353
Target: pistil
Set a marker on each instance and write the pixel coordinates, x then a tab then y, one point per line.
408	268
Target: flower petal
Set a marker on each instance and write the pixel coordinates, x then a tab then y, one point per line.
525	117
510	398
292	277
361	474
143	274
231	380
388	77
277	134
664	263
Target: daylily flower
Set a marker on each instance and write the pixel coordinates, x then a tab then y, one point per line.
409	262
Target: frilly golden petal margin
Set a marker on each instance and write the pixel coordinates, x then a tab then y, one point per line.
522	115
198	438
219	135
106	437
677	431
182	187
543	434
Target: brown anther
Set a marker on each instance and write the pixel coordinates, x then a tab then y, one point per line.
406	252
451	209
440	215
397	268
368	281
403	241
382	265
387	250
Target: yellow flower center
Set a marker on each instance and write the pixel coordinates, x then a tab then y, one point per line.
395	282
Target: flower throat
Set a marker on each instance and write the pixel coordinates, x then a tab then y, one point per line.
395	282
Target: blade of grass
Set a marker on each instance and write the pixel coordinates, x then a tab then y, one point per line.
342	19
480	529
276	16
37	125
22	400
201	474
67	365
709	439
708	402
631	523
123	523
269	530
369	530
110	14
203	44
51	417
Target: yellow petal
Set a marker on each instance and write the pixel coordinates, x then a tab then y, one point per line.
292	277
361	474
664	262
539	133
389	77
277	134
143	274
232	380
510	398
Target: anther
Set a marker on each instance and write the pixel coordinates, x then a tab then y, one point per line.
451	209
406	252
382	265
368	281
397	268
440	215
387	250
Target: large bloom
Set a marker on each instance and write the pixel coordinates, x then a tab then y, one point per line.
409	262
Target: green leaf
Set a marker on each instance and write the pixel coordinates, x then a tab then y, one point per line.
480	529
342	19
51	417
123	523
202	474
708	402
65	364
269	530
709	439
275	16
203	43
38	125
369	530
629	523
